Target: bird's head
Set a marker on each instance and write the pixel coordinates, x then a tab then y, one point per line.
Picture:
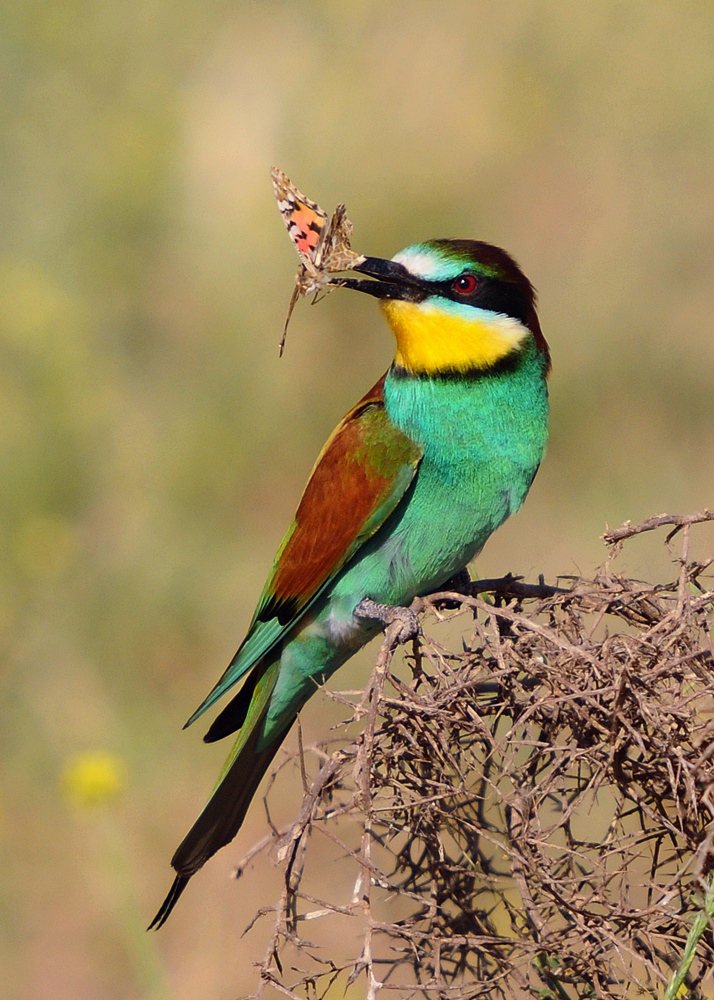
455	306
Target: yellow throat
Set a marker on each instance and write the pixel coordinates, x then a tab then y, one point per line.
432	340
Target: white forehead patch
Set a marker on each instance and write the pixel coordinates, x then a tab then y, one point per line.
427	264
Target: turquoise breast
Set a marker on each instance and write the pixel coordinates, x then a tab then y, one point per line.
483	438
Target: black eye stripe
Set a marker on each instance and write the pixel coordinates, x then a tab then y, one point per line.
447	290
490	293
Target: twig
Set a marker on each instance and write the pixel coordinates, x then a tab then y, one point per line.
628	529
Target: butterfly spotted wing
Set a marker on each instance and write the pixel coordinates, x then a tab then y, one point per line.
335	252
322	243
304	220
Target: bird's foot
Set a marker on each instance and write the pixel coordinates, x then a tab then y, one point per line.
387	614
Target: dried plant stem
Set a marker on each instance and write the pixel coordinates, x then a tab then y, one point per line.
629	530
523	815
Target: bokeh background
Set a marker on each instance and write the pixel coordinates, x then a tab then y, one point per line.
152	445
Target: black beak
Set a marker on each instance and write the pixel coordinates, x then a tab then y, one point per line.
393	281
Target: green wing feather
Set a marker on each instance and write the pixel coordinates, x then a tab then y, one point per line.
361	475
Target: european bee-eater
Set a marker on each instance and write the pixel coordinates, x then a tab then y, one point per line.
404	494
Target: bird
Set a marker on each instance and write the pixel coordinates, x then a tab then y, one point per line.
406	491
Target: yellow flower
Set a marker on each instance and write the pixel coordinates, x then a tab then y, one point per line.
93	778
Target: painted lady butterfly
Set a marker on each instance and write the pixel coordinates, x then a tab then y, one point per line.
322	243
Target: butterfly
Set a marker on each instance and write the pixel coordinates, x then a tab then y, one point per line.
322	243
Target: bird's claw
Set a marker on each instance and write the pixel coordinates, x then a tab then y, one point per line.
387	614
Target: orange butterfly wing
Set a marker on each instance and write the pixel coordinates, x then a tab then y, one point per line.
304	220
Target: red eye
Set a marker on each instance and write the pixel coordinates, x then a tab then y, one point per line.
465	284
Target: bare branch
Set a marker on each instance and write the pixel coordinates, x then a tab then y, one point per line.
628	529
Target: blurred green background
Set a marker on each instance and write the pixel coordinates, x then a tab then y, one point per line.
152	445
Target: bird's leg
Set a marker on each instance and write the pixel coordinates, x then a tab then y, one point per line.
459	581
388	613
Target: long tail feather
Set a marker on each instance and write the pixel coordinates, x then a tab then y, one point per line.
233	716
178	886
226	809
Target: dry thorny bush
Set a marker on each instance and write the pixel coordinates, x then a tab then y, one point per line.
529	816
